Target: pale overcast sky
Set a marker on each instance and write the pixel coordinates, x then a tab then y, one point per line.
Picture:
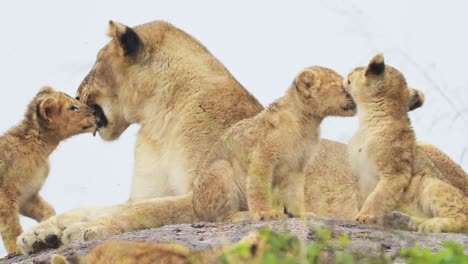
263	43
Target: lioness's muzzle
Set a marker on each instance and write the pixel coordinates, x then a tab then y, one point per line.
100	116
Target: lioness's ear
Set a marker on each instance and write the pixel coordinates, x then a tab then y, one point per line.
307	80
376	65
126	37
416	99
46	108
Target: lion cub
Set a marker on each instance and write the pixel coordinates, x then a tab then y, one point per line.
272	149
394	173
24	150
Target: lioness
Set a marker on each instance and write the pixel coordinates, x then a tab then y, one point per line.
394	173
159	77
24	151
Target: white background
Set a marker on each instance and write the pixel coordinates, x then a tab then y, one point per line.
263	43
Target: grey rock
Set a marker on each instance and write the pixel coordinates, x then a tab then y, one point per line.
367	239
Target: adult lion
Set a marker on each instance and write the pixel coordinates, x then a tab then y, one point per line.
163	79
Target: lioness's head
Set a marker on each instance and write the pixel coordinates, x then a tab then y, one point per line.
379	83
101	87
324	89
142	70
60	115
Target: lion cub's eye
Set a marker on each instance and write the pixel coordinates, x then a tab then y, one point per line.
74	108
349	82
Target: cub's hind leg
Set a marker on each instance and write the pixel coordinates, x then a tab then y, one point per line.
292	195
445	203
215	195
383	199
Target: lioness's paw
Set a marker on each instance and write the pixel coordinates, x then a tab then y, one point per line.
433	225
266	215
398	220
87	232
45	235
366	219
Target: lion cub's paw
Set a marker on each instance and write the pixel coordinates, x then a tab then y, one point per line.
433	225
306	214
266	215
366	219
299	214
45	235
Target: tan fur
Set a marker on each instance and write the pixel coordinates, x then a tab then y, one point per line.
332	188
450	172
394	173
270	150
24	152
126	252
184	100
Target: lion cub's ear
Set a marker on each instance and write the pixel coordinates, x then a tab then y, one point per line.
46	90
126	37
57	259
307	80
416	99
47	108
376	66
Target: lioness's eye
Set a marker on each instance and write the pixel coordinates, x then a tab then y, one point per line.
349	82
74	108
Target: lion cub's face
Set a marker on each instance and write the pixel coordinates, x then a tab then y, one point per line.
324	87
62	114
379	82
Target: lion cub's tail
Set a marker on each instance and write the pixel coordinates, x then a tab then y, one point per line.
450	172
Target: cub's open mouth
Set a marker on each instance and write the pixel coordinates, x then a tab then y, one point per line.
100	116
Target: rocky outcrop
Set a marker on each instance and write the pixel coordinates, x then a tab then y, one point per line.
366	239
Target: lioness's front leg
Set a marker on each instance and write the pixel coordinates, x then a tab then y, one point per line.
382	200
134	216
